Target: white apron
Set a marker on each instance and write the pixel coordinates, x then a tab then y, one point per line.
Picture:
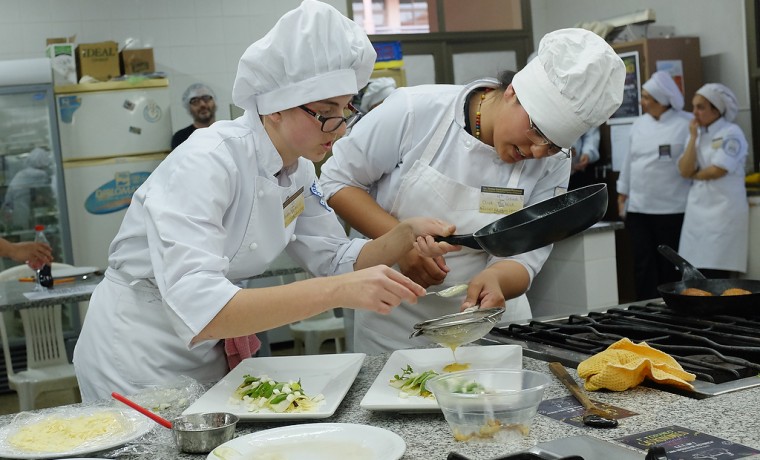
425	191
130	340
715	232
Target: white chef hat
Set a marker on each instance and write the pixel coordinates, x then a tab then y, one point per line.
722	98
312	53
377	90
664	90
196	90
574	84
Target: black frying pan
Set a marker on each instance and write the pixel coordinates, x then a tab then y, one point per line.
713	305
540	224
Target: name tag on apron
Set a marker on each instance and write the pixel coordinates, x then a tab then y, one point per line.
293	206
664	151
501	200
717	143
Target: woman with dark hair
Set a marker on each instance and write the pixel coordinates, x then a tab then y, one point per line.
470	155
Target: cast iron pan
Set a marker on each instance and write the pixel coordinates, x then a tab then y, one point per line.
709	305
540	224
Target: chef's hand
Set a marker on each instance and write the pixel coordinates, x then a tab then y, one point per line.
424	228
35	254
581	164
379	289
423	270
621	205
693	127
484	289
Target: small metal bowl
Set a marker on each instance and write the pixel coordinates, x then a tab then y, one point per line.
202	433
459	328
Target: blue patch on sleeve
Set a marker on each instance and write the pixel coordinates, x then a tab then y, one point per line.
316	190
731	146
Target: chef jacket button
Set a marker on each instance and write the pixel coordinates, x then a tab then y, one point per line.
467	143
253	246
292	237
261	193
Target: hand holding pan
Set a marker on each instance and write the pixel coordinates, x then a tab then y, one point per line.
540	224
716	304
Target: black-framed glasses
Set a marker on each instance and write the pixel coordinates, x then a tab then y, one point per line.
329	124
537	137
198	99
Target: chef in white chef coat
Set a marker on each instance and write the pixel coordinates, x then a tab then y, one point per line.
470	155
651	192
223	205
715	230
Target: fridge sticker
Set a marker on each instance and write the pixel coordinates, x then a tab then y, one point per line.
129	105
115	195
67	105
152	112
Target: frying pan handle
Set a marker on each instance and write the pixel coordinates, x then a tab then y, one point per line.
688	271
459	240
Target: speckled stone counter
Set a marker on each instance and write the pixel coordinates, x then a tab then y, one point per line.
427	436
12	294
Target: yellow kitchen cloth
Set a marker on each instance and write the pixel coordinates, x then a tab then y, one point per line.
625	364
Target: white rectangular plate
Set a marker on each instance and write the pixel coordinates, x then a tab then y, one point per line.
383	397
330	375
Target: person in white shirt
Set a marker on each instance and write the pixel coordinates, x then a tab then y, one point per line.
470	155
651	192
715	234
224	206
585	153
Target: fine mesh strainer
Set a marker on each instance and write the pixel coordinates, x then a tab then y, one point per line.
459	328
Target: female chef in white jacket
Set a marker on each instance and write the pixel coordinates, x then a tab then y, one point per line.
225	203
469	155
651	192
715	230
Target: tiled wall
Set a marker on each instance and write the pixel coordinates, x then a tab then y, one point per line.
193	40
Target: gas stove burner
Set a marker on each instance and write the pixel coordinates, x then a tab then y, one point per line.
722	351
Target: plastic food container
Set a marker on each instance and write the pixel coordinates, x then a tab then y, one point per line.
494	405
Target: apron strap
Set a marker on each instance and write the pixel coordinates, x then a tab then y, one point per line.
438	136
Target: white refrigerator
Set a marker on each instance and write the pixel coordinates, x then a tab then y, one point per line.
113	135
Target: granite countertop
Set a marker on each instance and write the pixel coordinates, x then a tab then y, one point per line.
12	293
427	436
605	226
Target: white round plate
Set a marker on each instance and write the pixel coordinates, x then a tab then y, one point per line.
315	441
139	426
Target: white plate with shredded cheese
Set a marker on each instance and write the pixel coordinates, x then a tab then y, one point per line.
68	431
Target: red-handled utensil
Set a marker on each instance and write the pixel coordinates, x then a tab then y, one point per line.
156	418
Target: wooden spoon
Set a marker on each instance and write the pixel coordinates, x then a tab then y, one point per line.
592	415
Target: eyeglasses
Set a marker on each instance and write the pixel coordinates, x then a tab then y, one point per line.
197	100
537	137
330	124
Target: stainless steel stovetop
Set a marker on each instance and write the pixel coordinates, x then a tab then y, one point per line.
733	353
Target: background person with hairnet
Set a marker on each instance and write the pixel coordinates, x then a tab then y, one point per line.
236	195
470	155
200	102
651	192
714	237
29	188
377	90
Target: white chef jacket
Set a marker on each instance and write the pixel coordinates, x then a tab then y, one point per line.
649	175
588	144
383	149
715	229
211	214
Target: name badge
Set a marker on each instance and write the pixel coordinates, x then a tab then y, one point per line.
501	200
717	143
664	151
293	206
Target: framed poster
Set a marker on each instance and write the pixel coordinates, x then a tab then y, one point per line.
631	107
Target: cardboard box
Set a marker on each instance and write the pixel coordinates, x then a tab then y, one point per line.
63	60
98	60
136	61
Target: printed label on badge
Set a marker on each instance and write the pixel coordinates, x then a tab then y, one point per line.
664	151
293	206
716	143
501	200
